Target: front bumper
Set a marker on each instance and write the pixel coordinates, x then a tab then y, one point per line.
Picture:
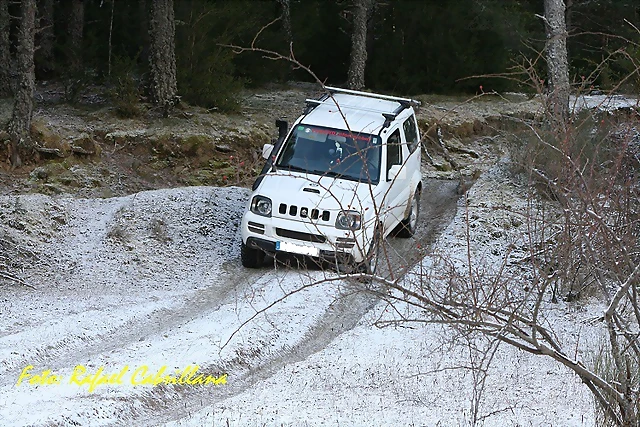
332	257
333	245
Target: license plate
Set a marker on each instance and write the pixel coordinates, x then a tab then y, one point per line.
297	249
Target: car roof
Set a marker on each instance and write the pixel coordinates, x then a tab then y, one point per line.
363	114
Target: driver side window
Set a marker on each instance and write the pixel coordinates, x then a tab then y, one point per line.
394	150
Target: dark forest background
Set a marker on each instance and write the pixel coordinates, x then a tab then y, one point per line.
414	46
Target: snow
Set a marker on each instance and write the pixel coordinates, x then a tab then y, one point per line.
603	102
413	374
154	280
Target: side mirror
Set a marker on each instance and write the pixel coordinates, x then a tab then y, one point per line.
396	171
266	151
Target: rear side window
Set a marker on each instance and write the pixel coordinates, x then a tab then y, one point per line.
394	150
411	133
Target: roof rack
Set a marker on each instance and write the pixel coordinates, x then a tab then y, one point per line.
373	95
389	117
310	104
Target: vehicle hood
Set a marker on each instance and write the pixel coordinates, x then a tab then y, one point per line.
315	192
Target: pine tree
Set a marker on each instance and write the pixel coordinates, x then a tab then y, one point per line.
162	57
359	44
286	21
5	55
557	62
20	122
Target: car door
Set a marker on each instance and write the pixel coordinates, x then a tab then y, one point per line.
396	180
412	146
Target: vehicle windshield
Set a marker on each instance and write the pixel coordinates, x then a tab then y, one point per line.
332	152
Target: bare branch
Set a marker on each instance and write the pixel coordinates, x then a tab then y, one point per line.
16	279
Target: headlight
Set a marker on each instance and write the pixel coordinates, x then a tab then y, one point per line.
348	220
261	205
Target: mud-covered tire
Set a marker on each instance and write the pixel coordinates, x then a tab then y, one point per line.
251	258
407	228
373	258
372	261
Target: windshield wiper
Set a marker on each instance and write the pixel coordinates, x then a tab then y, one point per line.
291	168
330	173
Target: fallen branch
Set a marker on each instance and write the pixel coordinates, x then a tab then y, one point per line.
16	279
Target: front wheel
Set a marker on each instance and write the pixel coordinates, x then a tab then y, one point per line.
372	261
407	227
251	258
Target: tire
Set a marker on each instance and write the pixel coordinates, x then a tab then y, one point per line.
407	228
372	261
251	258
373	258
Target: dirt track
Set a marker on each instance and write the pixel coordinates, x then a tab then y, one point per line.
155	278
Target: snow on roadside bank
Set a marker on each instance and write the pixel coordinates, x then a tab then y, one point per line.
147	280
412	374
154	279
603	102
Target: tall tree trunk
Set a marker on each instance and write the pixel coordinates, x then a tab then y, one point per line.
113	4
5	55
557	62
286	21
359	44
20	122
76	28
162	56
45	39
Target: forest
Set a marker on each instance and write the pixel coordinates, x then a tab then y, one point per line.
413	47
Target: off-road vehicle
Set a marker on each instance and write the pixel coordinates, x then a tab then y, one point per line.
344	176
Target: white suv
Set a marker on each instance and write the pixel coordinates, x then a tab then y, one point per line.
338	182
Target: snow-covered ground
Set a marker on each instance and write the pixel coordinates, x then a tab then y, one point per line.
413	374
153	280
603	102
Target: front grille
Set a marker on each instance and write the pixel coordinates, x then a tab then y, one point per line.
303	212
297	235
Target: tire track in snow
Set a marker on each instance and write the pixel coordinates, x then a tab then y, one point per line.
61	342
438	207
